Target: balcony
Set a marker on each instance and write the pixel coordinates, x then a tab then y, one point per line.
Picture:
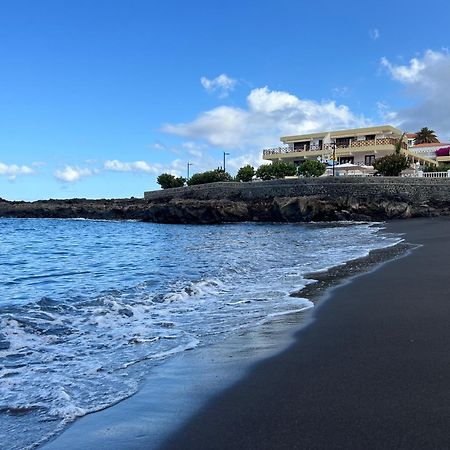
315	150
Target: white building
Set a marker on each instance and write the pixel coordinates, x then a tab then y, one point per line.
356	146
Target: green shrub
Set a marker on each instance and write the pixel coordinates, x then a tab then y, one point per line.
168	181
245	173
278	169
438	168
391	165
312	168
281	169
263	172
211	176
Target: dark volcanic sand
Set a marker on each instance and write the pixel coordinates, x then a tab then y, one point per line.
371	371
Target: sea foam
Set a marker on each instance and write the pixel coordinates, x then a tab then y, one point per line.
89	307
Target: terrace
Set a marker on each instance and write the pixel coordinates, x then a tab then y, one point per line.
320	148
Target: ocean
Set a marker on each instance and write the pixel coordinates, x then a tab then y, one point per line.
88	308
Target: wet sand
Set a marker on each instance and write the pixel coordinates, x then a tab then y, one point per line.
369	369
372	370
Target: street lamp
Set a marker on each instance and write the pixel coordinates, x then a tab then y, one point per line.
333	146
225	154
188	167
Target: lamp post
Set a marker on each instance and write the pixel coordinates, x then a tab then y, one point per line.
188	167
333	146
225	154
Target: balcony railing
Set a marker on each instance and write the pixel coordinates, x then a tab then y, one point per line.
329	147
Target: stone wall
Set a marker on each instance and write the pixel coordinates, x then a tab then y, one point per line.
296	200
411	190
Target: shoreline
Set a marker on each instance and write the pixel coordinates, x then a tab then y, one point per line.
270	339
370	370
325	281
282	200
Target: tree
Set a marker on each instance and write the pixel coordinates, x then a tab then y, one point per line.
425	136
312	168
245	173
263	172
281	169
398	145
168	181
439	168
211	176
278	169
391	165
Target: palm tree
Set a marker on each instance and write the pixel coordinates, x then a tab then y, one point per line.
398	144
425	136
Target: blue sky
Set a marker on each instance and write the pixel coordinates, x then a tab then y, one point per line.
99	97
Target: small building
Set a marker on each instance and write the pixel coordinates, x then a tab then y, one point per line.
430	150
411	137
433	150
356	146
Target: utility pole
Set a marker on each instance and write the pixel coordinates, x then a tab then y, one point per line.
188	167
225	154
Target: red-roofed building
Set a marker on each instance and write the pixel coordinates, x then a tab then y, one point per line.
410	137
428	150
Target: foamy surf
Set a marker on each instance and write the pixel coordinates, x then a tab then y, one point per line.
131	296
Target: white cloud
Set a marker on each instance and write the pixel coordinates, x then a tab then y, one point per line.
222	84
136	166
268	115
219	126
387	114
194	149
13	170
418	69
405	74
342	92
427	81
374	34
254	158
71	174
175	167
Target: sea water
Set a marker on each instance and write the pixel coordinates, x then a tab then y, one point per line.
87	308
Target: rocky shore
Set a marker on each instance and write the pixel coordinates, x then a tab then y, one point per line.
116	209
274	201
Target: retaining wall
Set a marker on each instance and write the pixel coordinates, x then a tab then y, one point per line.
411	189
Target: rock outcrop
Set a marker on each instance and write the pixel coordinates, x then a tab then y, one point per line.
289	209
278	201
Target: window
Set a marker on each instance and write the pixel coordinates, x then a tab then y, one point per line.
369	159
343	142
301	146
346	159
370	137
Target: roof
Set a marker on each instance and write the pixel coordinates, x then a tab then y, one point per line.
343	133
432	144
411	135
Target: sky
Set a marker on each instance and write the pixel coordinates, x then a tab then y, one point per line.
99	97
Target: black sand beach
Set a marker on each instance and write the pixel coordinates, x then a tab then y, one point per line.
372	371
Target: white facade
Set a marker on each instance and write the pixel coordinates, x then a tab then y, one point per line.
428	150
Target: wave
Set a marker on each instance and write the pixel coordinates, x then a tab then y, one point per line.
133	295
